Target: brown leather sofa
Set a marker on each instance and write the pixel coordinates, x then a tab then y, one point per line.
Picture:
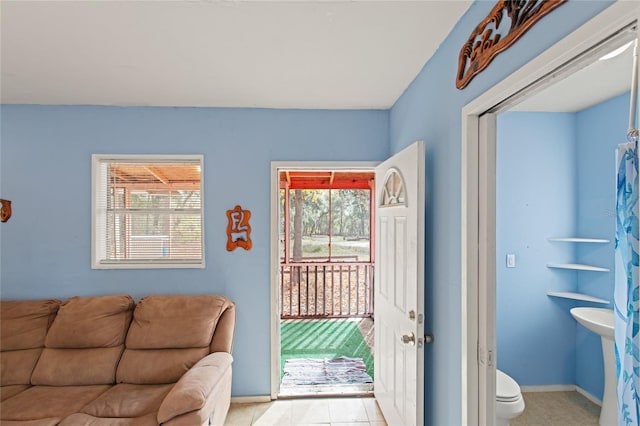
108	361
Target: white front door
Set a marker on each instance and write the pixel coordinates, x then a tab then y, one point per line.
399	287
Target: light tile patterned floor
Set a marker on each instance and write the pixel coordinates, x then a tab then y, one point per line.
541	409
557	409
316	412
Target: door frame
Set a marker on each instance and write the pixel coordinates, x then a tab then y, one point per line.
275	249
478	256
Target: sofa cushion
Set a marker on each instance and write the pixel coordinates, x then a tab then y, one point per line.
23	329
161	322
167	336
126	400
24	323
157	366
52	421
7	392
16	367
85	341
88	420
91	322
42	402
76	367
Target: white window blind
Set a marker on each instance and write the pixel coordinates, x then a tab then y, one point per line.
147	211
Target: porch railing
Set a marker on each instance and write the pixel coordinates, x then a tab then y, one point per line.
326	290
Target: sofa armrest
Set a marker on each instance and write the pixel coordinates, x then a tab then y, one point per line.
222	340
192	393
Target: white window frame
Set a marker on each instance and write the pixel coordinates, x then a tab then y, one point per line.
98	215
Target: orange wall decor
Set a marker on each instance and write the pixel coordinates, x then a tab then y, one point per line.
5	211
238	229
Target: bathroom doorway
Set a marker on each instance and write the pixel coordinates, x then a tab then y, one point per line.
586	45
555	237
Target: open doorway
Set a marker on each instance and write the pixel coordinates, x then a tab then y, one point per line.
325	270
559	227
398	239
480	260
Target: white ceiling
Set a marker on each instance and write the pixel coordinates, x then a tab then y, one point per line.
222	53
597	82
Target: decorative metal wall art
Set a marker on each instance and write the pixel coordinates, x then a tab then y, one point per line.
486	41
5	210
238	229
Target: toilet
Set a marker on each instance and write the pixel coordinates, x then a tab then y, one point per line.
509	401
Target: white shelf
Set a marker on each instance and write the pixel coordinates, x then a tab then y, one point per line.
577	266
576	296
578	240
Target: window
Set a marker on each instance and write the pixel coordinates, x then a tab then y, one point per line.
147	212
393	193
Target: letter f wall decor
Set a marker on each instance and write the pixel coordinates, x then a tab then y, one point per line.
238	229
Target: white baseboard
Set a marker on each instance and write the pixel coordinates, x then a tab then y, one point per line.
250	399
548	388
562	388
588	396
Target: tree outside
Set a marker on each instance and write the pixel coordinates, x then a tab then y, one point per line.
328	225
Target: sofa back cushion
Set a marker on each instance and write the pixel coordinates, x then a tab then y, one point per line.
91	322
25	323
85	342
23	328
168	335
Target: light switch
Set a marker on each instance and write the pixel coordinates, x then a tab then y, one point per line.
511	261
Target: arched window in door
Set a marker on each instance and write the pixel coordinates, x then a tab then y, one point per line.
393	192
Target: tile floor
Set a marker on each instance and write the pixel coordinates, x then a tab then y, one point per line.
316	412
541	409
557	409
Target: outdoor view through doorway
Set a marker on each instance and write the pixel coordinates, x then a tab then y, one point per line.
326	282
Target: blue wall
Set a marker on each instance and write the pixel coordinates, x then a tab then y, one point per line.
599	130
46	172
430	110
536	199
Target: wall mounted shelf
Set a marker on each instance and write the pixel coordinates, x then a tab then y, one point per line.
577	296
578	240
577	267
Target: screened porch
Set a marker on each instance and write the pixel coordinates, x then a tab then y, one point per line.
326	250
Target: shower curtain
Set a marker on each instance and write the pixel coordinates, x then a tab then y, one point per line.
626	285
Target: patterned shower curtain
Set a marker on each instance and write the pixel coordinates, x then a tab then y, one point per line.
626	286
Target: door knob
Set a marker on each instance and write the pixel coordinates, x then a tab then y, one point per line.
408	339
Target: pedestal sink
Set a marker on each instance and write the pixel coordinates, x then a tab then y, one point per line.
600	321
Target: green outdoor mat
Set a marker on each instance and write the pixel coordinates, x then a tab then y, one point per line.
325	339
